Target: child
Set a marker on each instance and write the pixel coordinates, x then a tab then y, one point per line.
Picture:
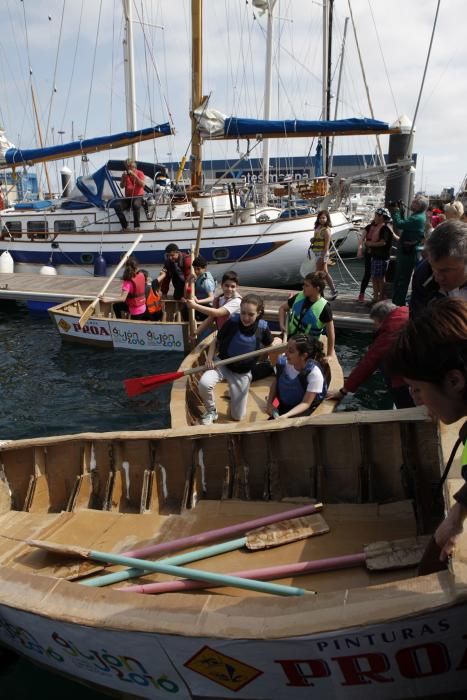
154	310
309	312
300	383
224	306
320	246
134	283
240	334
204	285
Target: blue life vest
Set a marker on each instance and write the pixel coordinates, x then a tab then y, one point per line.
232	342
290	392
200	285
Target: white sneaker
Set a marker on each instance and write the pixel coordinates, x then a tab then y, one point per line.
209	417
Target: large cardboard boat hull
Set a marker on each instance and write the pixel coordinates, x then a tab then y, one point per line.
364	634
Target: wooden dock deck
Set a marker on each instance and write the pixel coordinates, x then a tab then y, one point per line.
18	286
54	288
347	312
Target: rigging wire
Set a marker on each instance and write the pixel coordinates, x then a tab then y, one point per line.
424	71
54	87
93	67
382	56
70	84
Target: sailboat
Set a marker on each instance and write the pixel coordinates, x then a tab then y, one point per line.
265	244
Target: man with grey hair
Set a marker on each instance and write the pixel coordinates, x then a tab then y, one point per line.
444	272
388	320
412	232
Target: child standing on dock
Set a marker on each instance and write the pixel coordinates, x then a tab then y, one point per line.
320	244
240	334
300	384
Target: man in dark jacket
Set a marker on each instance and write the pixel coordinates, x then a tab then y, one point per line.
444	271
388	319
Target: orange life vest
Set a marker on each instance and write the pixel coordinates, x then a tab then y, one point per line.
153	302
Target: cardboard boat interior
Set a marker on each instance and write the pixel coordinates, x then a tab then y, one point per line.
376	474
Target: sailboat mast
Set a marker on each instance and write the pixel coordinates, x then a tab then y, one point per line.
267	98
328	84
196	90
324	87
129	64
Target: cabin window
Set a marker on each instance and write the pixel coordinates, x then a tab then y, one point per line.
13	226
38	227
220	254
62	226
87	258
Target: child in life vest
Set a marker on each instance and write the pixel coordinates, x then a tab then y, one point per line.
223	307
154	304
301	378
242	333
320	244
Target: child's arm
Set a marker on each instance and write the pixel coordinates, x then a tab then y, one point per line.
327	241
331	336
304	405
283	311
271	397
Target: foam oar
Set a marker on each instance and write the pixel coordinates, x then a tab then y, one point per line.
161	568
90	309
378	556
222	532
139	385
262	538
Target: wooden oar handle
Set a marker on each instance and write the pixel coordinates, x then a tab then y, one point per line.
236	358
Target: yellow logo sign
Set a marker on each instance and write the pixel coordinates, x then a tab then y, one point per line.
222	669
64	325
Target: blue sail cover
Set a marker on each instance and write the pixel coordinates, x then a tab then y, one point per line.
16	156
278	128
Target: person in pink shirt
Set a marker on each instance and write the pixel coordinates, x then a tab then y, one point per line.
134	284
132	181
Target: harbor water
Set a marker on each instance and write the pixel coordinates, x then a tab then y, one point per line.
50	388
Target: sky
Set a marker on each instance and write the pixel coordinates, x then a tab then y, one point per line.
71	53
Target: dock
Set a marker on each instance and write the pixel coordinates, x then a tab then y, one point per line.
19	286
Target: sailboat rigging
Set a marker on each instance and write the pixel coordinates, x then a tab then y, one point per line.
263	242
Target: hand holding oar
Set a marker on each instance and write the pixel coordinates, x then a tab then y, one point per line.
139	385
90	310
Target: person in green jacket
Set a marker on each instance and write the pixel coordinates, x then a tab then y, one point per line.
412	231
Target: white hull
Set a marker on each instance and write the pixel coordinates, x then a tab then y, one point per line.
263	253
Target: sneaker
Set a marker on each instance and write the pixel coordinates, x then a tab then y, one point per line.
361	298
333	295
209	417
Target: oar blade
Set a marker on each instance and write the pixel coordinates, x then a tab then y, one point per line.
55	548
139	385
286	531
86	315
397	554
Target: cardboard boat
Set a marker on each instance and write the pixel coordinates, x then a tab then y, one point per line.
104	330
364	633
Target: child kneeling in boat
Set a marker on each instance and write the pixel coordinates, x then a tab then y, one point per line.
301	378
240	334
